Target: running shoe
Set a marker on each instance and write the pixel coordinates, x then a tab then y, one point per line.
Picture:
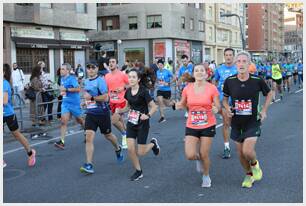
226	153
4	164
162	119
119	154
88	168
199	166
124	142
137	175
155	148
206	181
257	172
248	181
32	158
59	144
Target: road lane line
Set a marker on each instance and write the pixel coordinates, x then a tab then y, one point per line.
298	91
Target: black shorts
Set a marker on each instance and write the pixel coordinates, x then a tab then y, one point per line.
287	76
284	78
278	81
240	132
295	73
267	78
92	122
139	132
164	94
11	122
207	132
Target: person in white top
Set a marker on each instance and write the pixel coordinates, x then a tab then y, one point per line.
18	83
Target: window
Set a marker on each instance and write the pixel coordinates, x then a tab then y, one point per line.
81	8
197	5
201	26
133	22
24	4
222	19
49	6
99	25
69	56
210	34
109	24
210	13
191	24
183	22
28	58
154	21
236	37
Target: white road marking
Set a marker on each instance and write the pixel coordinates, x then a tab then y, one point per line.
298	91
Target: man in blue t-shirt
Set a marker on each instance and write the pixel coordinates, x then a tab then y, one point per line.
221	74
300	73
288	71
70	92
163	81
97	115
185	68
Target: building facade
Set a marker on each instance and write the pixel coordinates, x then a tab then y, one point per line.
149	31
54	33
265	30
222	32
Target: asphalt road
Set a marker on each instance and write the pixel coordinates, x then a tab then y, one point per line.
168	177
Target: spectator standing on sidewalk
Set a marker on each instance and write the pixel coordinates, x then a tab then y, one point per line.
18	83
59	97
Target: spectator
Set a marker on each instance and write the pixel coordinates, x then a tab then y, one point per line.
80	73
37	85
18	83
103	64
59	97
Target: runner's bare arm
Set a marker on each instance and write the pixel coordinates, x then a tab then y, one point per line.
101	98
181	104
217	105
263	113
5	98
153	108
77	89
227	107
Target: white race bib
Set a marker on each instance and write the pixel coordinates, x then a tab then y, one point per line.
199	118
91	104
133	117
243	107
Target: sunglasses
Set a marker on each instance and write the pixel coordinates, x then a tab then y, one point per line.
91	67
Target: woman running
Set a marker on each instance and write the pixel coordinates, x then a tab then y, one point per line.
138	100
202	100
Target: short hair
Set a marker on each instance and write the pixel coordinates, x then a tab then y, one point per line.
160	61
229	49
184	56
67	65
245	53
113	58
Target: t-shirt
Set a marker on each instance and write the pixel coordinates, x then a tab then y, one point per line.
200	114
300	68
116	81
163	76
268	70
96	87
70	81
8	109
245	97
221	74
138	104
288	68
101	62
276	72
183	69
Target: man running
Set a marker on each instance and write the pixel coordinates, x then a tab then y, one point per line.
300	73
289	69
163	80
117	82
71	105
277	79
97	115
244	90
221	73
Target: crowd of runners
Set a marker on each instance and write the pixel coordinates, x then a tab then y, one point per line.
126	100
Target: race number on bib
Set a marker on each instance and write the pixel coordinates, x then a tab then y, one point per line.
133	116
91	104
243	107
199	118
114	95
300	72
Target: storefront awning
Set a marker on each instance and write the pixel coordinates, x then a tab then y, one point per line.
133	49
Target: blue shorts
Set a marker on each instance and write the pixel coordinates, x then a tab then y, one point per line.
75	110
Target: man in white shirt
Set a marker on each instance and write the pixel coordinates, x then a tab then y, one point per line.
18	84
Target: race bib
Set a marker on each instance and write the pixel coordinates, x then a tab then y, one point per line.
300	72
289	73
199	118
114	95
243	107
91	104
133	117
63	94
81	74
161	83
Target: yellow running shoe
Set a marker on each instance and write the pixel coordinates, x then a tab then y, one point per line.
248	181
257	172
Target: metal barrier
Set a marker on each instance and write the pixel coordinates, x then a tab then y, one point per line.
19	107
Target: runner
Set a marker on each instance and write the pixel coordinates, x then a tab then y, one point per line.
300	73
185	69
138	100
10	118
277	80
200	97
163	77
268	74
97	115
244	90
116	82
71	104
223	72
295	73
289	69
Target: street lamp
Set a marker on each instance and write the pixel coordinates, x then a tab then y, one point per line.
119	41
242	37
